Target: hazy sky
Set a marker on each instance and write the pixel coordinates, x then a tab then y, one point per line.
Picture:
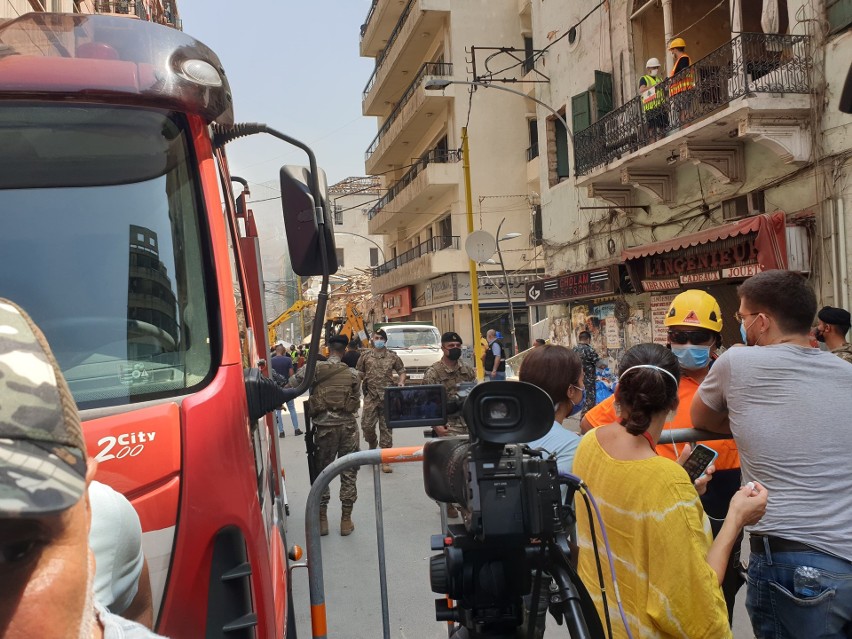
294	66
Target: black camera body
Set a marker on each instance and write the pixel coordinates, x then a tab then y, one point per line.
515	522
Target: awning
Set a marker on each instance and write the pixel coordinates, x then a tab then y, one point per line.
730	252
771	241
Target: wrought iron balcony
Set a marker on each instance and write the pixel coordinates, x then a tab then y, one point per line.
369	16
438	156
432	245
444	69
750	64
122	7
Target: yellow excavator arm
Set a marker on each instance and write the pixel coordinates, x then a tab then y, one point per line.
298	306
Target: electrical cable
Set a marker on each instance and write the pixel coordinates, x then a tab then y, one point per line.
598	565
584	490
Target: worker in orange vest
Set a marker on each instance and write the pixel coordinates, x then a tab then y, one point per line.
681	78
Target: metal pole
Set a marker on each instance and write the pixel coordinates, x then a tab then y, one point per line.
508	292
474	279
316	586
380	542
302	312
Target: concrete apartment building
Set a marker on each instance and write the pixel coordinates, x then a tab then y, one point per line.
161	11
422	213
351	200
743	166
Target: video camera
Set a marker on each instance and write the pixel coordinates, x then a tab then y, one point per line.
515	523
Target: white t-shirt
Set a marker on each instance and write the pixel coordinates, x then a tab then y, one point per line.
116	540
790	409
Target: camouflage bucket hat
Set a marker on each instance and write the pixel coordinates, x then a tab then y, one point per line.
42	452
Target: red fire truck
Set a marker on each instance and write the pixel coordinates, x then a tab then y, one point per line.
116	240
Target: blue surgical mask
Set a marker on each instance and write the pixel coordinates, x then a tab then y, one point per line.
691	357
743	334
576	408
379	343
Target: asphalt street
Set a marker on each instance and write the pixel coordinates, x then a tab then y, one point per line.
350	563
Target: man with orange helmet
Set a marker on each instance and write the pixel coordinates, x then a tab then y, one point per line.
694	323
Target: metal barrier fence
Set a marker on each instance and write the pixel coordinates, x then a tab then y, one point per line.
374	458
751	63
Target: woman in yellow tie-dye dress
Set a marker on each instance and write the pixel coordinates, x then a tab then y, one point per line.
667	565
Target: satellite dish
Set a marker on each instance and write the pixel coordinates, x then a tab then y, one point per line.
480	246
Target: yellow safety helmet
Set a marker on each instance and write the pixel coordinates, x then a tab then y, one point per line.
677	43
695	308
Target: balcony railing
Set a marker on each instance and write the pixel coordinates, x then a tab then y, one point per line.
432	245
125	7
532	152
750	63
391	39
428	68
366	24
435	156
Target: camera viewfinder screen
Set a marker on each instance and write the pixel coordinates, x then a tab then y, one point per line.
413	406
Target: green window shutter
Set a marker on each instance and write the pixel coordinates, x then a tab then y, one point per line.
839	14
581	111
603	93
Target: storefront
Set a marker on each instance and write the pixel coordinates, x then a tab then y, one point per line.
446	302
624	305
396	305
715	260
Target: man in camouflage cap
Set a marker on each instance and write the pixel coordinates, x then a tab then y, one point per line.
46	567
377	367
333	405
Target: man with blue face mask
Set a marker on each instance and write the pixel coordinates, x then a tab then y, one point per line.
694	329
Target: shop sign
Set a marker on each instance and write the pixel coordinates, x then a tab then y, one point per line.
397	303
594	283
659	285
442	289
702	258
741	271
698	278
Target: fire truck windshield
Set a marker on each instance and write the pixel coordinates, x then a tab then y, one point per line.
102	244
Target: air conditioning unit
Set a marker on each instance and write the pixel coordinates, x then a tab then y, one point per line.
798	249
743	206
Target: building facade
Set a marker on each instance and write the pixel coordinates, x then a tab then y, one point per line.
422	212
160	11
738	164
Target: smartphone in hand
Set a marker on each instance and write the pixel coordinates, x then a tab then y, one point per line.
698	461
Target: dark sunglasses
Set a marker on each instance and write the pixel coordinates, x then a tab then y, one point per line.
700	336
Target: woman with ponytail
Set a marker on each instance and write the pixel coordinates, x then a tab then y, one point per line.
667	564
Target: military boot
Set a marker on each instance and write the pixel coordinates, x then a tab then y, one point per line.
323	521
346	525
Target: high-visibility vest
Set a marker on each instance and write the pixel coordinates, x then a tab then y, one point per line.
651	96
685	79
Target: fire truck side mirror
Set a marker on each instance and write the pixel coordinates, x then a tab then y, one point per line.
262	394
300	220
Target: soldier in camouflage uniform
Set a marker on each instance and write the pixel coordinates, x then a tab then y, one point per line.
377	367
832	326
333	405
46	564
589	357
450	372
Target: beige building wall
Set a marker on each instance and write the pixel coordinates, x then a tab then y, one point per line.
498	139
801	169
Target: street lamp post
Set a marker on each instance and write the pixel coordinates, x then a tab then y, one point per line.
364	237
508	236
439	84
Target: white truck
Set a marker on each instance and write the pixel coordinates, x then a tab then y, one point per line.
418	345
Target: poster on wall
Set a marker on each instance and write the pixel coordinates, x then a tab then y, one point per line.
611	333
659	307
